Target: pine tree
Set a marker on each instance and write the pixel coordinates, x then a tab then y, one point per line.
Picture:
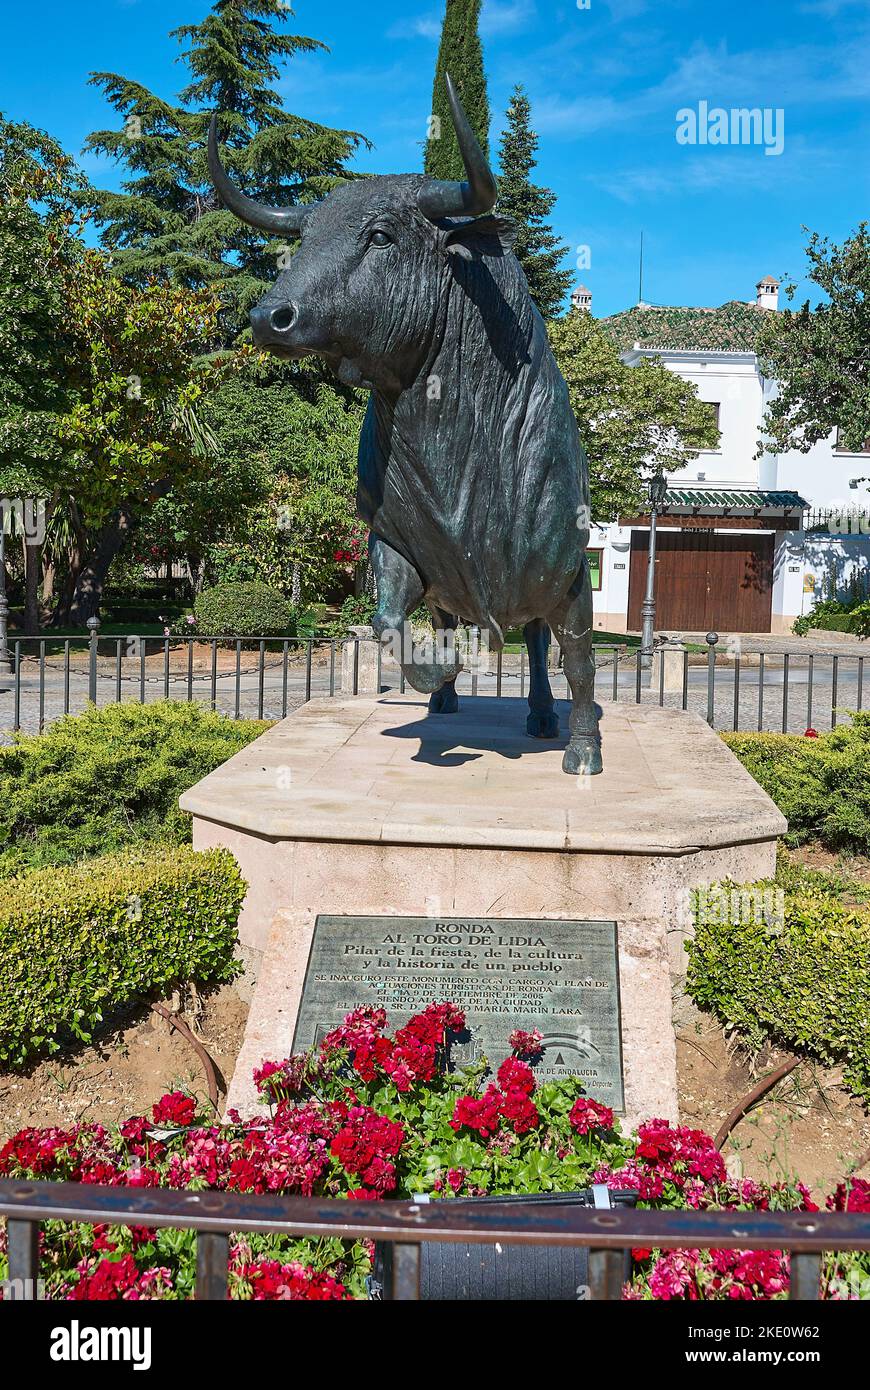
537	248
460	54
167	222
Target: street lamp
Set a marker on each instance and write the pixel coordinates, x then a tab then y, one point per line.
5	664
658	491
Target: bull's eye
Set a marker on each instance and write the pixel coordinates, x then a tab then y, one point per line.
379	238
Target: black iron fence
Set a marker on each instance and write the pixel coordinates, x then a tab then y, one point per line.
729	686
405	1226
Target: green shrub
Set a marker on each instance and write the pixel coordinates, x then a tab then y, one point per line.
836	615
800	980
821	785
107	778
856	621
244	610
77	942
356	611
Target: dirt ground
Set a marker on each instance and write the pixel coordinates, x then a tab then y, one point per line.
129	1068
809	1125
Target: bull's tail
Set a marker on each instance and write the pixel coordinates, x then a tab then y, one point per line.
496	636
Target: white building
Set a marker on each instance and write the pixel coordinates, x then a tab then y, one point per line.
746	543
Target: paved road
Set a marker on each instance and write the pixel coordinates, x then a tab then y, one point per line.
40	703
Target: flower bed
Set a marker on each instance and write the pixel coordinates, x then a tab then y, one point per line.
373	1116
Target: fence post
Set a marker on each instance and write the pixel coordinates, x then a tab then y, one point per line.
5	663
22	1238
712	639
94	629
212	1259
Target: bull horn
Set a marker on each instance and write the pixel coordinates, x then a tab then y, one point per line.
286	220
446	198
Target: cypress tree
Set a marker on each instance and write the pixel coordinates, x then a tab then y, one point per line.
537	248
167	221
460	54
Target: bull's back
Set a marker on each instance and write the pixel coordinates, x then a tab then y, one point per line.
482	484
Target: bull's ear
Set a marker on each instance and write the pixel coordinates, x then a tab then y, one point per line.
485	236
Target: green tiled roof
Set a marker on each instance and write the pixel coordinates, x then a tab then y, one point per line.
742	498
730	328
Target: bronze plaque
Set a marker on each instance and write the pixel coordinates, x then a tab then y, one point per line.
559	977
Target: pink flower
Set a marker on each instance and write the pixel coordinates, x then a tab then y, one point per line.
587	1115
174	1109
527	1044
514	1075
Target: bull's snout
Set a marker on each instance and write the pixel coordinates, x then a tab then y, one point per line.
272	323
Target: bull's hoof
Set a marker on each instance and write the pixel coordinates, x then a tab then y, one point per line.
429	679
583	757
543	725
444	701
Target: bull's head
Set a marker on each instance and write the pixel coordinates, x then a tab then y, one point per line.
363	288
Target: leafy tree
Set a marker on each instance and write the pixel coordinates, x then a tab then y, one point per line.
460	54
305	434
132	431
820	358
39	186
632	420
166	222
537	249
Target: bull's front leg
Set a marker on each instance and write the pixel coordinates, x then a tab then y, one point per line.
400	591
572	623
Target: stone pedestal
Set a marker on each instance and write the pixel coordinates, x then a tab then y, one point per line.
390	811
672	658
359	663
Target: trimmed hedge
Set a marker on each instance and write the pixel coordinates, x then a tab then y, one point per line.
97	782
76	942
833	615
821	785
801	981
244	610
857	622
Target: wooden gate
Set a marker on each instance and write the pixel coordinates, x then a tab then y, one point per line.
704	581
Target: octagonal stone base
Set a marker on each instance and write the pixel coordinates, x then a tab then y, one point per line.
370	806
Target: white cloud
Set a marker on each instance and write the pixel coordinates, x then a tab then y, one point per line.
579	116
721	168
829	9
505	17
497	17
424	26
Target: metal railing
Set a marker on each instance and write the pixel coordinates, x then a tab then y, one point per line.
404	1226
766	690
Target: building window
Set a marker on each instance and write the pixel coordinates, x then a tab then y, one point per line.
594	557
841	448
714	408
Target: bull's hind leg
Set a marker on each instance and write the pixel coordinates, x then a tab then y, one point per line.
543	721
400	590
572	622
445	700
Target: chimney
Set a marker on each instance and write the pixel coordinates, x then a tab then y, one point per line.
767	293
582	299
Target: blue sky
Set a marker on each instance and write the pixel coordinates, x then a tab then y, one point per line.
606	83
